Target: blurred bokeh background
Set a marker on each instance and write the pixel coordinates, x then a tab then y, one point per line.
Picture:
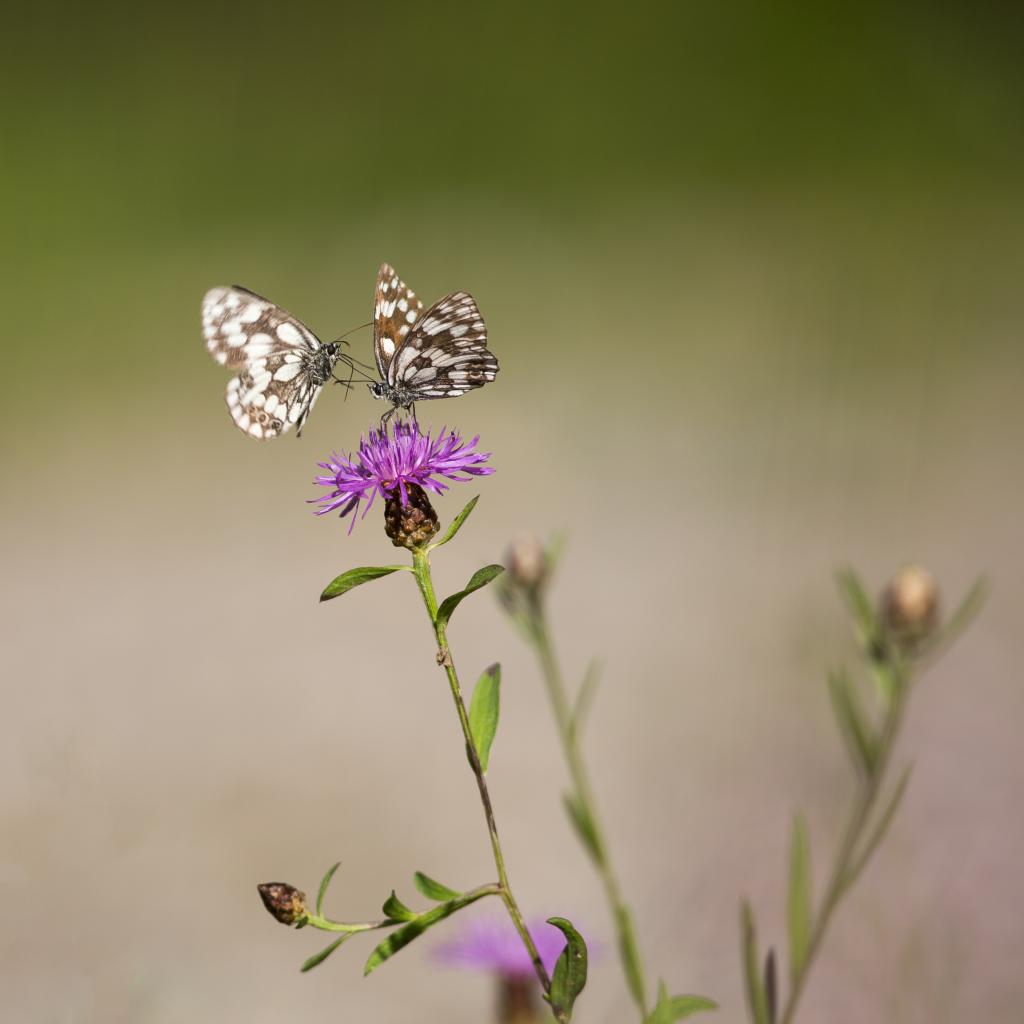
753	273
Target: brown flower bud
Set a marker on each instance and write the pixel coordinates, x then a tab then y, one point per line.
413	525
910	605
527	562
284	902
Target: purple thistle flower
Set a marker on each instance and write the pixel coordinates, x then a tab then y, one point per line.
494	946
388	462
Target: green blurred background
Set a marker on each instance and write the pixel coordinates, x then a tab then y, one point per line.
753	273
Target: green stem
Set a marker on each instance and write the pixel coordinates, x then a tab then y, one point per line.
421	568
540	635
843	873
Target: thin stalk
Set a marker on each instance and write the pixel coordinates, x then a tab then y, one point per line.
421	568
540	635
842	874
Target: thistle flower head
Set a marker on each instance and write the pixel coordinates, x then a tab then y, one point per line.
390	462
910	605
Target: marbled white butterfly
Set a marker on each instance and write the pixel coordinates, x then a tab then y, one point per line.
437	354
282	364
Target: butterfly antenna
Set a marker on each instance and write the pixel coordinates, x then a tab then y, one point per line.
353	331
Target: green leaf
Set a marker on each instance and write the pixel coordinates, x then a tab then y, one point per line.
630	955
583	825
356	577
964	615
798	909
857	734
757	999
456	523
861	606
585	697
570	974
318	958
483	712
395	909
433	890
673	1008
324	883
401	937
878	833
479	579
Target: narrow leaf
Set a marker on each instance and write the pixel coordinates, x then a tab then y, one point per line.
324	883
356	577
583	826
882	826
585	697
757	1000
965	614
318	958
570	974
479	579
432	889
483	712
395	909
673	1008
856	733
771	986
798	910
457	523
630	955
861	606
401	937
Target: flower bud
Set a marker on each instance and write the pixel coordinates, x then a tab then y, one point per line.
527	562
910	605
284	902
411	525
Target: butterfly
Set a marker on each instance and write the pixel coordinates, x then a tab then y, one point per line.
283	365
440	353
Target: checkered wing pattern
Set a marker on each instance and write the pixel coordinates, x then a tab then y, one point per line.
395	310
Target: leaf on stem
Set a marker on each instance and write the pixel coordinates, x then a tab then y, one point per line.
401	937
585	697
964	615
432	889
356	577
318	958
324	883
862	608
798	908
570	974
456	523
583	825
479	579
853	727
483	712
757	999
878	834
673	1008
396	910
630	954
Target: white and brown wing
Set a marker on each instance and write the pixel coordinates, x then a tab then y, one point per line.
395	309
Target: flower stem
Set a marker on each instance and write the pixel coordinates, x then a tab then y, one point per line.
539	634
421	569
847	865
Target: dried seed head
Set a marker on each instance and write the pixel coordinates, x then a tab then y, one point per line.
284	902
413	524
910	605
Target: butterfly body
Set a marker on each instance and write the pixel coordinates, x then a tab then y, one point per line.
439	353
282	364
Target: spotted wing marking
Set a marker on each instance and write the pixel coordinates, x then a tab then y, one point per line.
272	349
395	310
446	352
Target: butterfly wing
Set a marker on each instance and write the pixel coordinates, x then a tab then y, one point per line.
445	353
274	390
395	310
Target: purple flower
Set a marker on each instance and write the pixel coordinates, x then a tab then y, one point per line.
388	462
493	945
